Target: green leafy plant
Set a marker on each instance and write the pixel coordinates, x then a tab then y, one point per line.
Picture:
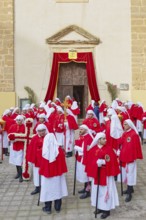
112	89
31	94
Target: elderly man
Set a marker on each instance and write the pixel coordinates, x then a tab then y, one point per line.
80	148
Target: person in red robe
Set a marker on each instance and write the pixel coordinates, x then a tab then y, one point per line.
102	165
15	113
70	127
52	170
8	122
57	102
75	109
113	129
34	154
92	122
17	148
42	120
59	127
81	154
129	153
41	110
144	124
90	106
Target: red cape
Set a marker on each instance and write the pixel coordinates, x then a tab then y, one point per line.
34	151
84	140
56	168
9	121
131	147
72	122
93	124
111	168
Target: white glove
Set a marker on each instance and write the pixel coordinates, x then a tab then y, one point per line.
118	152
100	162
79	149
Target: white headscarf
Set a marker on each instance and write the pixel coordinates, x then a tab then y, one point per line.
15	109
95	140
7	111
43	116
50	147
114	104
19	117
74	105
116	129
92	103
50	111
86	128
111	111
60	109
41	127
131	125
91	112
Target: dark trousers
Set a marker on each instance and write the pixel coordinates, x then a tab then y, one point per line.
57	205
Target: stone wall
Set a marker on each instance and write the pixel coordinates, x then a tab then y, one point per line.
138	28
6	46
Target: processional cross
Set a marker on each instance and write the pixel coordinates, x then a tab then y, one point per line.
66	105
26	138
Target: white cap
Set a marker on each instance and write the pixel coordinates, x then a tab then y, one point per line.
41	127
131	125
42	116
19	117
97	137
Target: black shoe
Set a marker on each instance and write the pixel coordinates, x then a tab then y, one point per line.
126	191
85	195
81	191
47	210
105	215
69	154
128	198
57	211
17	176
98	211
37	190
20	179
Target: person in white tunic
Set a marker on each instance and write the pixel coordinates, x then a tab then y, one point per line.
81	147
34	154
17	147
52	170
102	168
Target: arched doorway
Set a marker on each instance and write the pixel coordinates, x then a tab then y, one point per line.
73	81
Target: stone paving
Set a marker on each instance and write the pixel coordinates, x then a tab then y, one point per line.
16	203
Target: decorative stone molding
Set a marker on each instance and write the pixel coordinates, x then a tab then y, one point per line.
56	38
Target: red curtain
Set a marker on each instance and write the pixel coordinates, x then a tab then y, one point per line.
81	57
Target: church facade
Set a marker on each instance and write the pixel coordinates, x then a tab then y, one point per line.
114	32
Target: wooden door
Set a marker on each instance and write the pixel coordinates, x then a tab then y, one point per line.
72	80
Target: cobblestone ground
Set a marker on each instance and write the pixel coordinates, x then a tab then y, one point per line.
17	203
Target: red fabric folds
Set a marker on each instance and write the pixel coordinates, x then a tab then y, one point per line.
81	58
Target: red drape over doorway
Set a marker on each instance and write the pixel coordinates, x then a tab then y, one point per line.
81	58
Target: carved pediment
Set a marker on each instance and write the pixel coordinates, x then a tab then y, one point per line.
73	35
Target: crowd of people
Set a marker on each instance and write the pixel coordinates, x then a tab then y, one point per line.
109	144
